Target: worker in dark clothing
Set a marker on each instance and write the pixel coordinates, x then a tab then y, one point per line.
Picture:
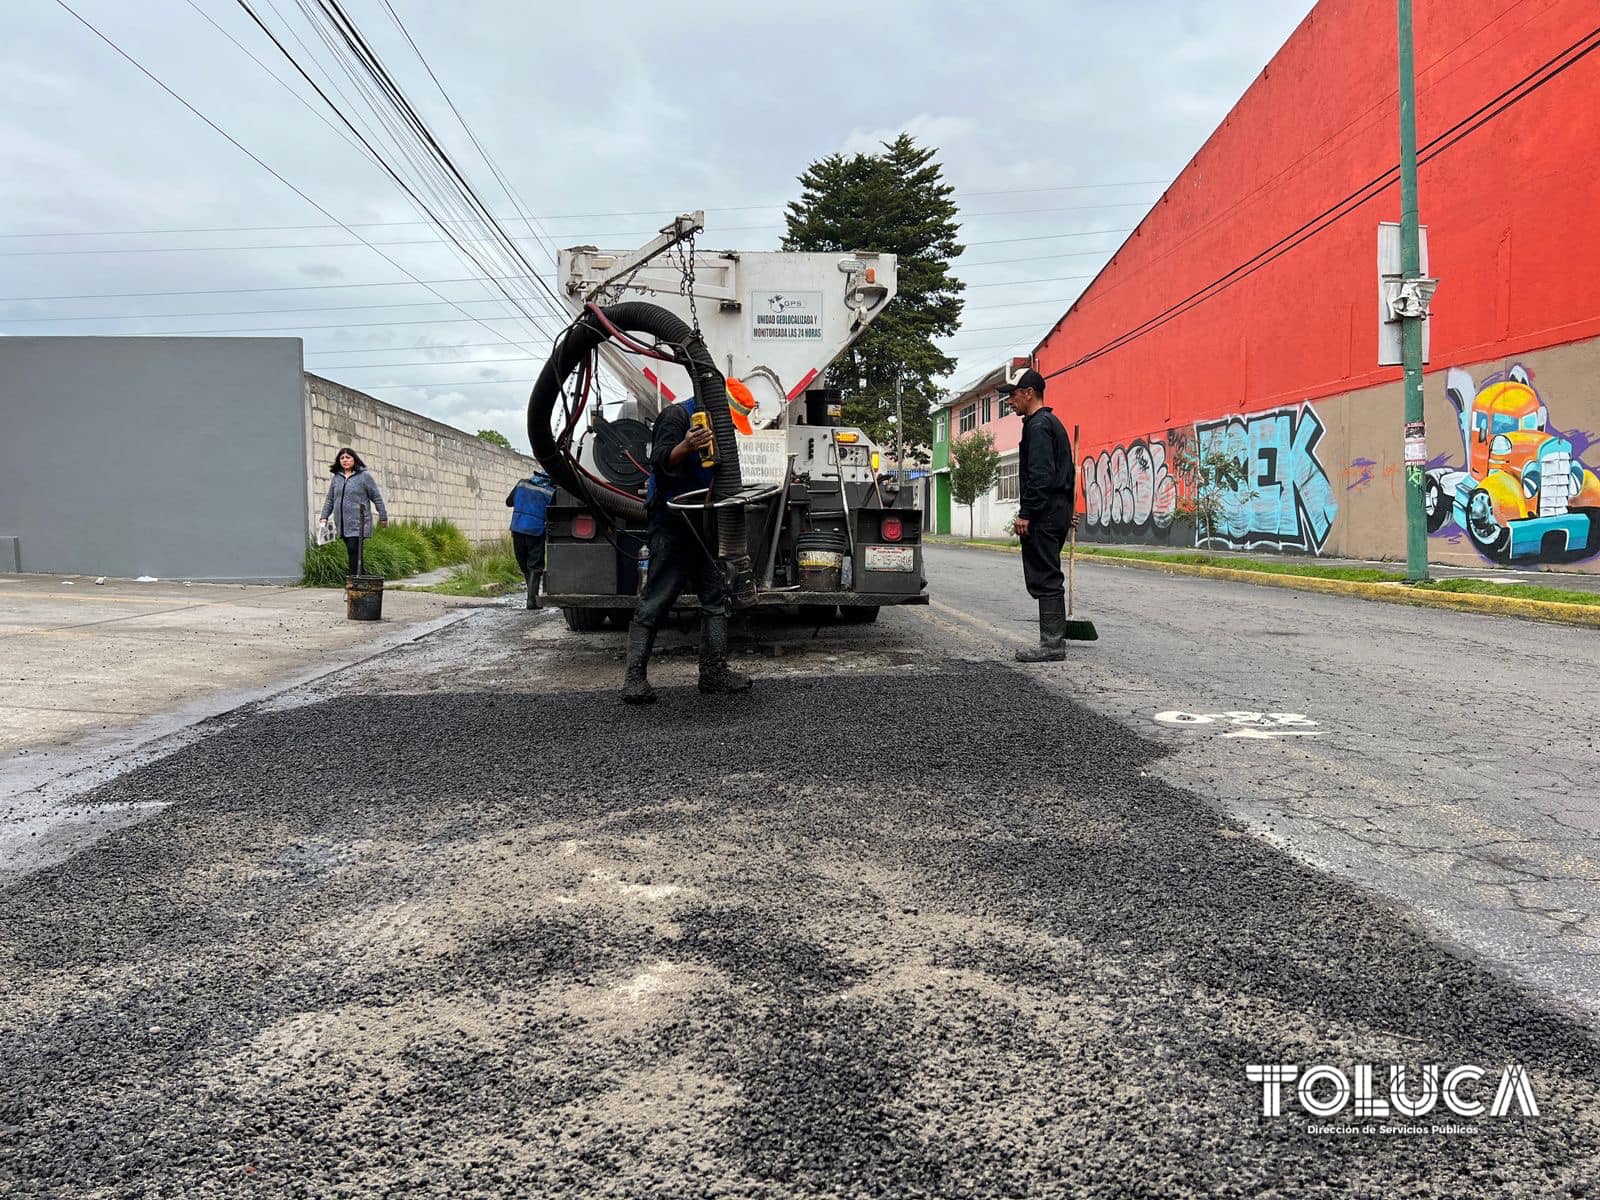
528	502
1045	513
678	556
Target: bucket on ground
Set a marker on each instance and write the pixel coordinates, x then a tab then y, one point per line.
363	597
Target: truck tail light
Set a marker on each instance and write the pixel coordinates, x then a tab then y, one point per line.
893	530
583	527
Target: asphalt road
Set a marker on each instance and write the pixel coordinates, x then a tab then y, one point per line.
454	922
1453	766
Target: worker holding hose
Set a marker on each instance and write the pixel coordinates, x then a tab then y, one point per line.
679	452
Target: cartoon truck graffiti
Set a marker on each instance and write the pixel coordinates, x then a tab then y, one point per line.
1522	494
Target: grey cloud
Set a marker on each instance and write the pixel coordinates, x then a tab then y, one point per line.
722	111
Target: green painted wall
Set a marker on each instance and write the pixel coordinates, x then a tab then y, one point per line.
941	441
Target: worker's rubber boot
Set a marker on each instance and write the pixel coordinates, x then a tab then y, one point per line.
534	578
715	677
636	687
1052	645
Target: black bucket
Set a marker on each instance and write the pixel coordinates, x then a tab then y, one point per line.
821	560
363	597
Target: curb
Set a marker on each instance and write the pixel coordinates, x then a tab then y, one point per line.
1391	593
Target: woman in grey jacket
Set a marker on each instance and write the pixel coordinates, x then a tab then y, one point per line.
351	494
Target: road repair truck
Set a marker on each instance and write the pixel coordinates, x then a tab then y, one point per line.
803	511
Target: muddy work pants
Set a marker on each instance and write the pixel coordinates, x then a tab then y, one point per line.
678	559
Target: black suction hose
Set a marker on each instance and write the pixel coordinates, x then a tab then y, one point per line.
576	343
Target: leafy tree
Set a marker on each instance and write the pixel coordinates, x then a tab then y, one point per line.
495	438
894	202
1205	485
975	465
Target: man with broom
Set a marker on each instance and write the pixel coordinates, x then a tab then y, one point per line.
1045	514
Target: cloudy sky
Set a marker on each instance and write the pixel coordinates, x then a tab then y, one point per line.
125	213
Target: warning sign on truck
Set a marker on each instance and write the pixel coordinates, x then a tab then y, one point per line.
786	316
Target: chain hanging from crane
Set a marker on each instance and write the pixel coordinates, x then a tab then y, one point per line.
685	250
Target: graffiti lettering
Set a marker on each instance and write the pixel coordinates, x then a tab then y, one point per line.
1131	489
1293	505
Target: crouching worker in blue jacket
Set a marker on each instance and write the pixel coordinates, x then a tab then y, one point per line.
679	558
528	502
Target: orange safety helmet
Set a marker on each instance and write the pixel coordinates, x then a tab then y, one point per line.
740	405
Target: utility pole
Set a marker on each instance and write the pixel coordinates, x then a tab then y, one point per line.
1411	322
899	425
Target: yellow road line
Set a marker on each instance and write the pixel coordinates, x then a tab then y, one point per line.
1390	593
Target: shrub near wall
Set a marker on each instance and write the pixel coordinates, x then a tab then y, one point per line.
397	551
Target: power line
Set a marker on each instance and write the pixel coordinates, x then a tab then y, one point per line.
300	287
460	383
246	151
1027	282
1000	212
245	312
401	283
1356	199
309	107
353	40
459	362
261	312
300	328
582	236
372	244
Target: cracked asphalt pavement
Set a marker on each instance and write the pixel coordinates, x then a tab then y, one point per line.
456	923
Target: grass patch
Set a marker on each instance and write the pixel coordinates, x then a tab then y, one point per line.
397	551
1476	587
490	569
1199	559
449	544
1258	565
1521	591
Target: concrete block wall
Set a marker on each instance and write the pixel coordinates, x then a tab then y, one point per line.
424	468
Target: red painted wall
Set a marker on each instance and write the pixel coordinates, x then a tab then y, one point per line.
1513	212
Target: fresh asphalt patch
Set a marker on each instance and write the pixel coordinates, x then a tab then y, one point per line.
841	936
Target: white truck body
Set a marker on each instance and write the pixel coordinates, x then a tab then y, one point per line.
774	320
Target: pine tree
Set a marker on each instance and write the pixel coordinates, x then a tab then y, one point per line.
895	202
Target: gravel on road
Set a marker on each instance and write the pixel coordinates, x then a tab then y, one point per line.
830	938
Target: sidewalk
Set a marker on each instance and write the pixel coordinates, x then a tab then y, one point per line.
1563	597
1576	581
81	659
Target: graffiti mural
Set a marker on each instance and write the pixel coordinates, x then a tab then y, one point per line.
1131	489
1287	501
1521	493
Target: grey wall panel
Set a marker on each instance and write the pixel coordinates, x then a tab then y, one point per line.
182	458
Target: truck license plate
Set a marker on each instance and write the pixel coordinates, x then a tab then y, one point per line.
891	558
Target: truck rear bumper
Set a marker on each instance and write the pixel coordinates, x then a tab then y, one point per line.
773	599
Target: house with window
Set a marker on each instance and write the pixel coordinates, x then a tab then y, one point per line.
978	406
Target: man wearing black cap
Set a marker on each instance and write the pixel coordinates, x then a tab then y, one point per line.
1045	513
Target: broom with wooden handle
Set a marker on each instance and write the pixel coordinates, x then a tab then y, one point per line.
1077	631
